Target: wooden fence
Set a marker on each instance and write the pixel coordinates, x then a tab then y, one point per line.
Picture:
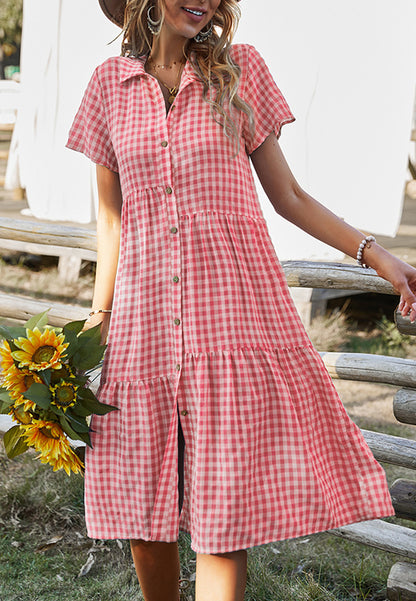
350	366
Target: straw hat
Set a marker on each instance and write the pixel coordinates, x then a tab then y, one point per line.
114	10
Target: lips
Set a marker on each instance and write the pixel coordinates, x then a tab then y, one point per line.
196	14
194	11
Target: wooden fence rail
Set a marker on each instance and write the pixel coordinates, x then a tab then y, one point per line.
351	366
40	232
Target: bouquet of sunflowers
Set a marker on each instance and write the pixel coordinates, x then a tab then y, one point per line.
45	373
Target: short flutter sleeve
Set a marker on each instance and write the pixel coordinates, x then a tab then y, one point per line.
89	132
270	108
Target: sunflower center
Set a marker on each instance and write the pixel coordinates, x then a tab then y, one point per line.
28	381
21	415
48	433
65	395
43	354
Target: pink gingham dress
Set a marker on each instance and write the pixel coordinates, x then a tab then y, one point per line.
204	334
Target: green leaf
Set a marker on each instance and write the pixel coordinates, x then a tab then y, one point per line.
78	423
90	402
38	321
45	374
72	339
67	428
80	410
14	442
88	356
85	437
12	332
71	331
5	401
78	381
39	394
5	395
5	407
73	327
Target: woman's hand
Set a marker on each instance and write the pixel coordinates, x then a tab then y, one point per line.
400	274
95	320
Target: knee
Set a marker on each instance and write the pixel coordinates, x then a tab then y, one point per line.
149	548
142	544
231	554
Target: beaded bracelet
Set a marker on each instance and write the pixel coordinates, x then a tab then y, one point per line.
99	311
367	240
91	313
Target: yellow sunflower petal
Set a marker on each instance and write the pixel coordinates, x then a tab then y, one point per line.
53	446
40	350
6	359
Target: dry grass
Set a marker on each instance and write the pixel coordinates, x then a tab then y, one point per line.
46	283
330	332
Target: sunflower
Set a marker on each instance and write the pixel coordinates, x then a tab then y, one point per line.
18	383
64	394
50	440
63	373
7	364
20	414
40	350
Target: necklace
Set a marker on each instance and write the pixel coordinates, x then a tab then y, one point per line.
155	66
173	91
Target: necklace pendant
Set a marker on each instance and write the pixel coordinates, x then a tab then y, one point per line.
171	99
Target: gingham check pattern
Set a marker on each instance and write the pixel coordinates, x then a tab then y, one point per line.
203	321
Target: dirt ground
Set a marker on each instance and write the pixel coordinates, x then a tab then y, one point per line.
373	402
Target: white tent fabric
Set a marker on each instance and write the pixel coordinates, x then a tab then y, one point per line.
348	71
9	101
63	40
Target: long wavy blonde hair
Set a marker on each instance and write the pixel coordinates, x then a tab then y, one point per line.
211	59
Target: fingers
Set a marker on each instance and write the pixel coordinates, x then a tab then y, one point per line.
408	308
407	304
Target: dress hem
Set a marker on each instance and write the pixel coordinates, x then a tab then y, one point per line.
250	545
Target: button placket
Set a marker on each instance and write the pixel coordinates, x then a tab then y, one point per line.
174	237
175	247
174	233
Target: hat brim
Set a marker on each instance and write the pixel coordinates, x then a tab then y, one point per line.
114	10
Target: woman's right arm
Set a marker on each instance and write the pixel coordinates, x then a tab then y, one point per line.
108	245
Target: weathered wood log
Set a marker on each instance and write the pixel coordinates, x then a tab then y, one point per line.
47	249
403	496
382	535
401	583
404	406
391	449
40	232
371	368
404	325
342	276
22	308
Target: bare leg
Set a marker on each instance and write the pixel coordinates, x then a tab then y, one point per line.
221	576
157	568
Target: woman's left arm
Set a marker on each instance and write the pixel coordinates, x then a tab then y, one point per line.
297	206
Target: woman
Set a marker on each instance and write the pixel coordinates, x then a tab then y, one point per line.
226	409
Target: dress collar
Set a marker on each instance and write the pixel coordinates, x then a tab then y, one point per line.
134	67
